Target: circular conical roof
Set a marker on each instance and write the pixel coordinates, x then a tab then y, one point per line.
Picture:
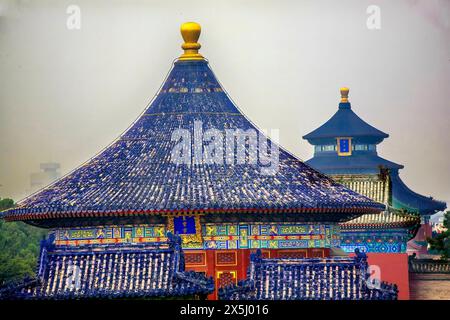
136	175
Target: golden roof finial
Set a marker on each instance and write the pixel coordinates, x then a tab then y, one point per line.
344	94
190	32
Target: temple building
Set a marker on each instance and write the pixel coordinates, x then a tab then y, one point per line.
345	148
193	165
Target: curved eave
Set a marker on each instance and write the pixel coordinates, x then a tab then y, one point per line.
325	139
332	162
17	215
409	227
404	197
389	219
379	226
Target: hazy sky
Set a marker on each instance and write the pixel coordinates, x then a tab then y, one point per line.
65	94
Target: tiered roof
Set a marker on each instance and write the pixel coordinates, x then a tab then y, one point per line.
136	175
345	123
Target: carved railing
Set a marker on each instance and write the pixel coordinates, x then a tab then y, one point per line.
428	266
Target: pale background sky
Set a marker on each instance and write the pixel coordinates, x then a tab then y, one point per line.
65	94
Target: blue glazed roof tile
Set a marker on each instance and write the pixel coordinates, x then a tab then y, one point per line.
136	173
404	197
345	123
336	278
330	164
111	271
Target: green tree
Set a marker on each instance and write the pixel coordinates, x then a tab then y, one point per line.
441	242
6	204
19	247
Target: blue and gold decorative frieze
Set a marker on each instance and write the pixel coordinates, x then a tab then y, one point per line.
110	235
377	242
270	236
209	236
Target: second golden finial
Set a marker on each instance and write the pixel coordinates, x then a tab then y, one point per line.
190	32
344	94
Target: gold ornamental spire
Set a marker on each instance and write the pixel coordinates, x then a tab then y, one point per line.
190	32
344	94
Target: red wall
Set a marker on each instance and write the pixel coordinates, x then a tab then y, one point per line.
394	269
393	266
230	265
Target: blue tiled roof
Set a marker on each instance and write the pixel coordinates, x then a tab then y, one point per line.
308	279
135	174
358	162
403	197
345	123
135	271
369	163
